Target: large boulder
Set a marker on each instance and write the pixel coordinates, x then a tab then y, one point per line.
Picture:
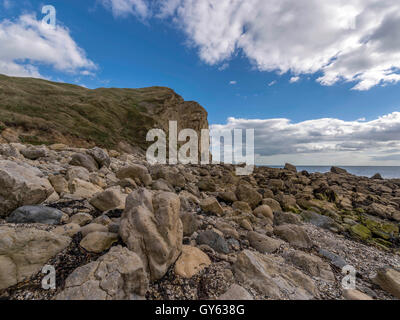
83	189
84	160
135	171
248	194
294	234
36	214
273	278
110	199
100	156
118	275
151	227
21	185
34	153
389	280
24	251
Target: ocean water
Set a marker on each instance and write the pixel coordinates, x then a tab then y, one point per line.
386	172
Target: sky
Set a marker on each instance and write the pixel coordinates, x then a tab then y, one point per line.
319	81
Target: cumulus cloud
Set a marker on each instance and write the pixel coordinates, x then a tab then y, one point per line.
26	44
356	41
322	141
294	79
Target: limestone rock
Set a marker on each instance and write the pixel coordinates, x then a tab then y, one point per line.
135	171
191	261
81	218
262	243
211	205
98	242
69	229
100	156
248	194
235	292
213	240
273	204
21	185
110	199
151	227
84	160
24	251
293	234
93	227
264	211
59	183
118	275
389	280
83	189
353	294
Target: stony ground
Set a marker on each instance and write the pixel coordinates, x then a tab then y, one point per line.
115	227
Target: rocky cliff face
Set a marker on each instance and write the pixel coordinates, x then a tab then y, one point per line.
39	112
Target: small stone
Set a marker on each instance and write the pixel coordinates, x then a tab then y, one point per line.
98	242
81	218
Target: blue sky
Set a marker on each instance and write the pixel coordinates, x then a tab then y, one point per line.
118	43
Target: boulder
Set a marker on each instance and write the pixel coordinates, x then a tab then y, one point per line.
353	294
211	205
338	170
264	211
273	204
93	227
21	185
109	199
69	229
85	161
78	173
151	227
59	183
281	218
135	171
389	280
242	206
213	240
100	156
248	194
36	214
24	251
294	234
271	277
83	189
290	167
228	196
118	275
34	153
81	218
98	242
262	243
377	176
190	223
191	262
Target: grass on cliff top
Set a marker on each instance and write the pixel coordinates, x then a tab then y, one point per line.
103	116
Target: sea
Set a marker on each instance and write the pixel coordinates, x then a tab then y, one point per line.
363	171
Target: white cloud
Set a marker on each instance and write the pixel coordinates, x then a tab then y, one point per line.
345	40
324	141
233	82
294	79
224	67
272	83
26	44
126	7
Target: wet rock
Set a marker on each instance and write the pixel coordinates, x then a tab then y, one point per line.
151	227
35	214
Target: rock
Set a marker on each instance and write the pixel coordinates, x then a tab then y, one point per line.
273	204
213	240
294	234
78	173
81	218
360	231
281	218
100	156
8	150
273	278
353	294
242	206
21	185
207	185
162	185
228	197
311	264
10	135
389	280
59	183
211	205
151	227
338	170
109	199
135	171
69	229
248	194
93	227
336	260
83	189
35	214
98	242
318	220
34	153
290	167
264	211
24	251
191	261
118	275
190	223
227	230
235	292
377	176
85	161
262	243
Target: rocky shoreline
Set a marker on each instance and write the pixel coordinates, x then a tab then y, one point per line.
115	227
